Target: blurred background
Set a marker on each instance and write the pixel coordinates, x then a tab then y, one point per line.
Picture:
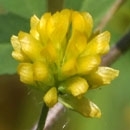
20	106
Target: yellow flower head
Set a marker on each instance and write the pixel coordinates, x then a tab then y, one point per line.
61	56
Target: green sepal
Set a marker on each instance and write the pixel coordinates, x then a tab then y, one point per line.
80	105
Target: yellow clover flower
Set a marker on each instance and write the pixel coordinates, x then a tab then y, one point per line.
61	56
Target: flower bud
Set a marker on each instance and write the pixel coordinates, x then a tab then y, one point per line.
18	53
99	45
88	23
103	76
42	73
57	29
82	22
25	71
30	46
68	68
34	30
77	86
50	97
76	45
81	105
86	64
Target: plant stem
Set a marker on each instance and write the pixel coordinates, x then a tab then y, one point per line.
43	116
120	47
124	43
54	114
55	5
116	5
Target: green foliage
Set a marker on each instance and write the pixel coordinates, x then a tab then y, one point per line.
7	63
11	24
24	8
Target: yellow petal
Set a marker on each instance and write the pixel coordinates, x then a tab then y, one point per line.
42	73
34	26
50	97
42	27
77	86
98	45
87	63
30	46
68	68
58	25
78	22
15	43
20	56
25	71
88	23
17	53
103	76
49	53
95	111
76	45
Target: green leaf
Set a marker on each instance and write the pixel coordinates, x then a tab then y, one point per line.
7	64
11	24
81	105
25	8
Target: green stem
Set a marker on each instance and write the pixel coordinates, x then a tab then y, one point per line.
43	116
55	5
120	47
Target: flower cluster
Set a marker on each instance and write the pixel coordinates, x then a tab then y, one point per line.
61	56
